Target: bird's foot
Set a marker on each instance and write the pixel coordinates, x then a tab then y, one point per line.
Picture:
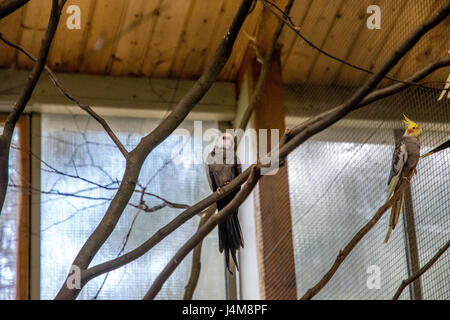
288	132
219	190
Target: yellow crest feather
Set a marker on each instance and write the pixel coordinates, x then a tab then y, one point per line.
408	121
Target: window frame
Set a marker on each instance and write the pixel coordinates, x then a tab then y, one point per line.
23	212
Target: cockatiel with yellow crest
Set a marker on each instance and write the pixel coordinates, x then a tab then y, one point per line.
406	156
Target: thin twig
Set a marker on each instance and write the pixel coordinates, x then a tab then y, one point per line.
421	271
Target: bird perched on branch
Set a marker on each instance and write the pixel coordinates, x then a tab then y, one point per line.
404	162
222	166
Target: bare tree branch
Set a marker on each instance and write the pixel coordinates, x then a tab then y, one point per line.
196	258
9	6
221	216
33	77
421	271
354	241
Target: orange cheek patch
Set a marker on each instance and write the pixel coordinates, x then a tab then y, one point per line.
410	130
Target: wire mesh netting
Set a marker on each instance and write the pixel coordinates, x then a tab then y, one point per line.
338	179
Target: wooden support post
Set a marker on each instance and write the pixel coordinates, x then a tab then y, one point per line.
412	249
271	196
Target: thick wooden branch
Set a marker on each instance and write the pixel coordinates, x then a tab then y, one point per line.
137	156
9	6
286	19
421	271
354	241
221	216
13	116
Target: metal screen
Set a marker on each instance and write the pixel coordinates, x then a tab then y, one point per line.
338	180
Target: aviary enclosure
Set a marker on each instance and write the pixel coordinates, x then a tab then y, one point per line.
110	109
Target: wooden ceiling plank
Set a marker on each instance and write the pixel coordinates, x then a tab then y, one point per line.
369	44
227	12
34	23
103	36
193	46
349	23
316	27
166	36
68	44
140	20
288	37
10	27
435	44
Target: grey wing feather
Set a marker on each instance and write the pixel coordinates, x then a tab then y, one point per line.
210	176
398	161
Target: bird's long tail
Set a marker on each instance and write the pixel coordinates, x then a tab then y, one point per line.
230	239
396	212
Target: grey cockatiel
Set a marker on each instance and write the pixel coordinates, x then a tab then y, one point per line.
222	166
406	156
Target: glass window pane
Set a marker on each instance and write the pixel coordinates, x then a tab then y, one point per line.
73	204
